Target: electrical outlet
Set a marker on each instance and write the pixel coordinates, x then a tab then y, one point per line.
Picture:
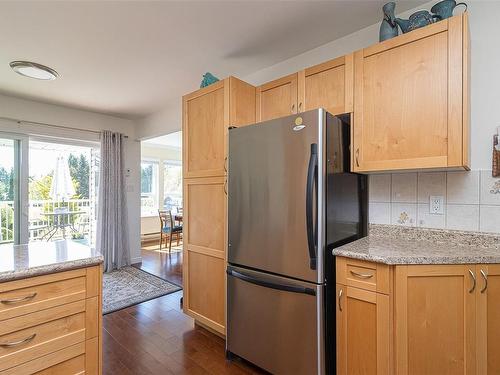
436	204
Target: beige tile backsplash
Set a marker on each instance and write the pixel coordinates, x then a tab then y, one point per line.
471	200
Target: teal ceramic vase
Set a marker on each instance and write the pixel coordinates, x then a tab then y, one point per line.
388	27
208	79
444	9
418	19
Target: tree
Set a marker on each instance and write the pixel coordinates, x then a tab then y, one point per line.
79	169
40	189
6	184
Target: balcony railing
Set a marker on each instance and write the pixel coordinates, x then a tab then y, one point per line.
40	224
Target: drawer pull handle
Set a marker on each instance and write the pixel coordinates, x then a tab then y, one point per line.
18	299
485	277
473	281
340	299
16	343
362	275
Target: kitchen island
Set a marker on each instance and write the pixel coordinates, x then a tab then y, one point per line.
418	301
50	309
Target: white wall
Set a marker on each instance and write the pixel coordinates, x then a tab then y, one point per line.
29	110
166	121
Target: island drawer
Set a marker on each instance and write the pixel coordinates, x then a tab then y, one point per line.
34	335
363	274
20	297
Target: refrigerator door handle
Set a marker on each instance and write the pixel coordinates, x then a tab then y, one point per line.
270	284
312	181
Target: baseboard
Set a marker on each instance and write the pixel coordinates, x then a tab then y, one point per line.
136	260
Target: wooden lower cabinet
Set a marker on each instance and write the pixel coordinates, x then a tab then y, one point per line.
488	319
205	224
52	324
435	320
362	331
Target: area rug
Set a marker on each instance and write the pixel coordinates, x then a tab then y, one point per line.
129	286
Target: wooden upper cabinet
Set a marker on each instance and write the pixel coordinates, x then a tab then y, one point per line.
277	98
411	100
435	319
488	319
328	85
207	114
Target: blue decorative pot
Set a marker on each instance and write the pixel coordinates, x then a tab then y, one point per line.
444	9
388	27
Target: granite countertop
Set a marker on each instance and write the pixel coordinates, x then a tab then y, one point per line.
38	258
397	245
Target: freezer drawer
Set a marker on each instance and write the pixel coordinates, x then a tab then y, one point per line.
275	322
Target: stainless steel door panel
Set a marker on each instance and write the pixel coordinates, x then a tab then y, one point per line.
268	168
278	329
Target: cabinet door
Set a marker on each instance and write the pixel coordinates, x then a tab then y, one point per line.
329	85
204	250
408	100
204	132
488	319
435	319
363	332
277	98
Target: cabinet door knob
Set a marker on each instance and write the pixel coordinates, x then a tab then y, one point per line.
473	281
485	277
225	187
300	107
357	157
293	108
225	164
341	292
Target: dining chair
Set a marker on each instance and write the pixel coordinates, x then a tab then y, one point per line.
168	230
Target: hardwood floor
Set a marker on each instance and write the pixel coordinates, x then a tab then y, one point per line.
164	265
157	338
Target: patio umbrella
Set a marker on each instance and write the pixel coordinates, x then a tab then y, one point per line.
62	186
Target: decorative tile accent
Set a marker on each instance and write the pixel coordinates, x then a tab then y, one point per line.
380	187
427	220
462	217
490	189
431	183
404	187
404	214
489	219
463	187
380	213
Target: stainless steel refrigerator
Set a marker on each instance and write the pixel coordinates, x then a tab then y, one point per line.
292	199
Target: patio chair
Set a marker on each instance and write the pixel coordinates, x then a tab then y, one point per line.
168	230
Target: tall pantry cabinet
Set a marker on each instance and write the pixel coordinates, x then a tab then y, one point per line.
207	115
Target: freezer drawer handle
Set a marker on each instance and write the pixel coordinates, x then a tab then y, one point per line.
269	284
312	180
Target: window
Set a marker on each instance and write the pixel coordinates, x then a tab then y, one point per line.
172	185
149	188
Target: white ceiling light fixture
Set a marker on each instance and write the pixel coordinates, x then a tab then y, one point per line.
33	70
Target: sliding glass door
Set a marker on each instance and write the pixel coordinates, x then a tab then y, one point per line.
48	189
13	189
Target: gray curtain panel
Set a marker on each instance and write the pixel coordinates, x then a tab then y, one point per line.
112	224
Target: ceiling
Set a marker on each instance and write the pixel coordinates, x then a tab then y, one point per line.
128	58
172	140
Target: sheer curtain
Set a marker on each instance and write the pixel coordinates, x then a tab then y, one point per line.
112	224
